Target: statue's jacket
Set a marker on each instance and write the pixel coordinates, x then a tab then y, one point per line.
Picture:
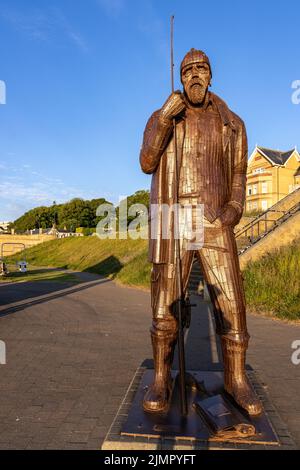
157	157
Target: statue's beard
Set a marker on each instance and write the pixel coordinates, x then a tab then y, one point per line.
196	92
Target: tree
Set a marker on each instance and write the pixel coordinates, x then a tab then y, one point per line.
72	214
139	197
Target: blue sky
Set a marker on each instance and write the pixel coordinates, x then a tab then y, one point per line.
83	76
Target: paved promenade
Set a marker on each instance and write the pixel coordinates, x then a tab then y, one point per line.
72	350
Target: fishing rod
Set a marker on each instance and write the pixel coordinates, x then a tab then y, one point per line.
180	292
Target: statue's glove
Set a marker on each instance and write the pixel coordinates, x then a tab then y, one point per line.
229	215
173	106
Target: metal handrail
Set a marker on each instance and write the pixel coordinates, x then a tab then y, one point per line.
257	219
260	216
276	224
238	234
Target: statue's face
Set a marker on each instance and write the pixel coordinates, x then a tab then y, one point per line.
196	79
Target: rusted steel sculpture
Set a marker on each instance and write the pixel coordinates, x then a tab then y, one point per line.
212	157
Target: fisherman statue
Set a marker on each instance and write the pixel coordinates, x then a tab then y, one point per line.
212	154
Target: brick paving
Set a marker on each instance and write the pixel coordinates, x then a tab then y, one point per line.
72	351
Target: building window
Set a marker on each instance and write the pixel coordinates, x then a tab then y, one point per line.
254	205
249	190
255	189
258	170
249	206
264	187
264	204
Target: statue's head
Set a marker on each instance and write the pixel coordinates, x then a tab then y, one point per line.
195	72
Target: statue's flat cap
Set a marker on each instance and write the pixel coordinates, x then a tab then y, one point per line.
194	56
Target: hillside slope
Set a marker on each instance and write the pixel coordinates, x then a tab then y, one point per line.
125	260
272	283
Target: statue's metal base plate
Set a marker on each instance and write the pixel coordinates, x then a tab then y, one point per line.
135	429
171	424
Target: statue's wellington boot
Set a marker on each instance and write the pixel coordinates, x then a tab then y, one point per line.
158	395
236	382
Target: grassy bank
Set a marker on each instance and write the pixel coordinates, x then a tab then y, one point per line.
272	284
123	260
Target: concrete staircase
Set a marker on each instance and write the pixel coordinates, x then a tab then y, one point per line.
196	282
261	225
246	241
276	227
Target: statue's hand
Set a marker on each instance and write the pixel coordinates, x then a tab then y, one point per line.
229	216
173	106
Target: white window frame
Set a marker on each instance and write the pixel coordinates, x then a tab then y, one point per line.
258	170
